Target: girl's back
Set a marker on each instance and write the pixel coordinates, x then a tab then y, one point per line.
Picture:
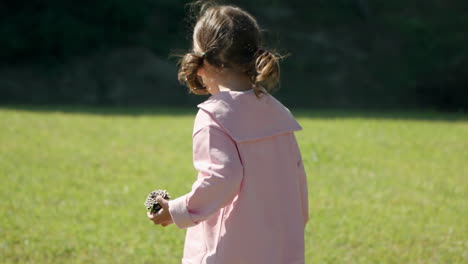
250	167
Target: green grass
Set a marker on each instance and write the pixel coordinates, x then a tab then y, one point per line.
383	188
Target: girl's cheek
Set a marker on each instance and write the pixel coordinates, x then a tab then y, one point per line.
200	72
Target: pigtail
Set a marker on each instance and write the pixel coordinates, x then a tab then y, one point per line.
189	65
267	71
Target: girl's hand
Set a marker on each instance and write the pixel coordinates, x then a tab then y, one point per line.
163	217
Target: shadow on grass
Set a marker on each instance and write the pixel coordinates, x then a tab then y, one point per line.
424	114
397	114
104	110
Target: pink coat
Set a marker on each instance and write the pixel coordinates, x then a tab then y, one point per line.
249	202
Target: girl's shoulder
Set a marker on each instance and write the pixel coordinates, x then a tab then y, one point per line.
202	120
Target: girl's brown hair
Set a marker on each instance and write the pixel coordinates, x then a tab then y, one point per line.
229	37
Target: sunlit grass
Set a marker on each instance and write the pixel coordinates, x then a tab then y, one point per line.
381	190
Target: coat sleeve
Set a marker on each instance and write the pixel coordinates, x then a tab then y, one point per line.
220	173
302	184
304	192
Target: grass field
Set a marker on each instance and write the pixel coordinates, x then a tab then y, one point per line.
383	187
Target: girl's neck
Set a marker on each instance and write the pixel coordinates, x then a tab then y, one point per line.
232	81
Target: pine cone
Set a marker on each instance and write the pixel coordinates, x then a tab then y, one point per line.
151	203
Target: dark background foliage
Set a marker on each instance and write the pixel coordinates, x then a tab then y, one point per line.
342	53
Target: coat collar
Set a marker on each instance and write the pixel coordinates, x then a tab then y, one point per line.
246	117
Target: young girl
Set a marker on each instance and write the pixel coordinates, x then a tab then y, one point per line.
249	202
